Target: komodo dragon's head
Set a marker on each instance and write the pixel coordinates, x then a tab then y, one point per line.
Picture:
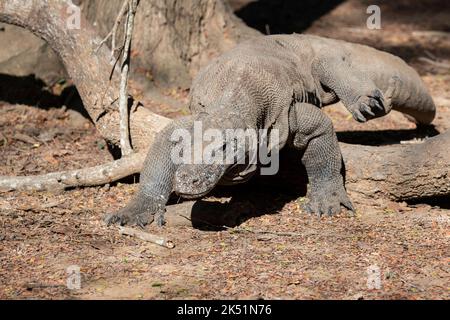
207	161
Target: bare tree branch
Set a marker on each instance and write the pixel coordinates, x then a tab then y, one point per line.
123	100
95	176
113	33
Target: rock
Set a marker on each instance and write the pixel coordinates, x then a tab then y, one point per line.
30	55
77	120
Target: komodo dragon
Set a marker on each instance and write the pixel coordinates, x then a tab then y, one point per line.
280	82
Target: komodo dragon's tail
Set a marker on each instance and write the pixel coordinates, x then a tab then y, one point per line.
410	95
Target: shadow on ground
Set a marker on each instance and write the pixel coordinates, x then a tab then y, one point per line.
262	195
386	137
284	16
34	92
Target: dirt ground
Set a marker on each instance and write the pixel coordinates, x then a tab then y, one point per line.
42	234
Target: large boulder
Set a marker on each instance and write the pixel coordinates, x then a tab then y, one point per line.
23	54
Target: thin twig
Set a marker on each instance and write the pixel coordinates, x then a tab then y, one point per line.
125	144
246	230
37	285
113	33
430	55
263	232
25	138
145	236
435	63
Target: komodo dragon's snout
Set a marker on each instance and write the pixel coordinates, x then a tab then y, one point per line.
193	181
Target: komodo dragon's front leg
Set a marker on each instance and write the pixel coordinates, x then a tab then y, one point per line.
356	90
313	132
155	186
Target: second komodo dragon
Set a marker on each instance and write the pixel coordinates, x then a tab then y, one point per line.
280	82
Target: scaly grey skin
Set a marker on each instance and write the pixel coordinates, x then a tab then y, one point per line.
281	82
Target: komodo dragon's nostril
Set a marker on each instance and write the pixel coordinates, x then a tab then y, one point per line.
195	180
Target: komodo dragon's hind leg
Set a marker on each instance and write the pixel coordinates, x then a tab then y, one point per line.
360	95
313	132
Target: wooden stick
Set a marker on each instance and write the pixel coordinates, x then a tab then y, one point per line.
125	144
112	34
145	236
94	176
437	64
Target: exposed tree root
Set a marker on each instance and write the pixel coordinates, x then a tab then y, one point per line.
95	176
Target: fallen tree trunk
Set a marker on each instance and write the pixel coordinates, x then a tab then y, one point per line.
401	172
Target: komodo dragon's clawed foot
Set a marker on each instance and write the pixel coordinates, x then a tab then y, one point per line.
124	217
376	104
327	201
137	214
369	107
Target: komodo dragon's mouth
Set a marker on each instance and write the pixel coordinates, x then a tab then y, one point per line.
193	181
193	196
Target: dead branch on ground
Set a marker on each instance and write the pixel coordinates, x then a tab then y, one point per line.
148	237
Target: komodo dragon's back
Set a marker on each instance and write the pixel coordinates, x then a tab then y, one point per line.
289	61
262	73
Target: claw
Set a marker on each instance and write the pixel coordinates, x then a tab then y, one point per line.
358	116
140	223
368	110
306	207
160	219
377	94
320	212
348	205
376	105
111	219
330	212
394	82
378	100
